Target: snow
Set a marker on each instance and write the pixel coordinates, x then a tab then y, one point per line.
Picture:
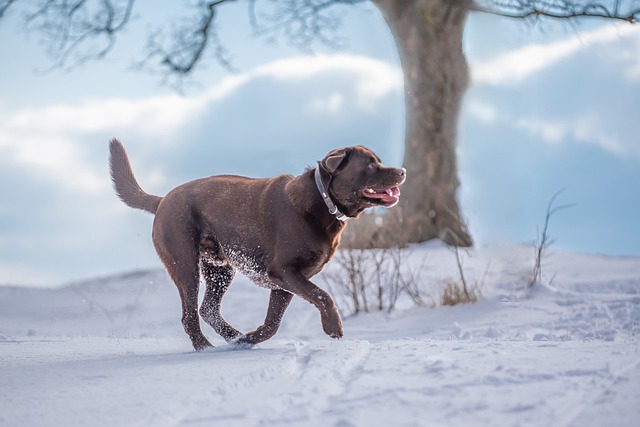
111	352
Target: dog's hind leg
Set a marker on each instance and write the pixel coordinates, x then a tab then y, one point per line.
218	277
186	278
180	257
279	300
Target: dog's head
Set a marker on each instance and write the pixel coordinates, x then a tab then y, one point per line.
356	179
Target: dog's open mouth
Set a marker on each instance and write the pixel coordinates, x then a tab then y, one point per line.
383	196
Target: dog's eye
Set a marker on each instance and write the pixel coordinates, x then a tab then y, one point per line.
371	165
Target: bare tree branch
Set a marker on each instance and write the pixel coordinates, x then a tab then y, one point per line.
302	22
189	42
76	31
66	26
4	5
624	10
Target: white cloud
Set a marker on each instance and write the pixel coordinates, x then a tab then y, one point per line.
376	79
158	114
552	132
587	128
484	112
162	114
332	103
600	109
52	158
514	67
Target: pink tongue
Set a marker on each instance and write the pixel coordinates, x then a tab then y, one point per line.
384	194
393	192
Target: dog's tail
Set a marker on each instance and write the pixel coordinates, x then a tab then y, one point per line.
127	188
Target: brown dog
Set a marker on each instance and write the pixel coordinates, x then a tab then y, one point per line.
278	231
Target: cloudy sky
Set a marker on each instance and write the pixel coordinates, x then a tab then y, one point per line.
549	108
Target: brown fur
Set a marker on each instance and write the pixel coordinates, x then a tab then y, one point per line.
277	231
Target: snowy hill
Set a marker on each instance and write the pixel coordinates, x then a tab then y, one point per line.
111	352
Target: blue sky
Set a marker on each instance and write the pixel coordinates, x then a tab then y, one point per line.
546	110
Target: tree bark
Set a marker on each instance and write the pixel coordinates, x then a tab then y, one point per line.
428	34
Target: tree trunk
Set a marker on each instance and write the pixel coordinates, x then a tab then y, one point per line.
428	34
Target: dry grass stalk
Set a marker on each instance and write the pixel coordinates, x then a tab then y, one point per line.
544	240
459	292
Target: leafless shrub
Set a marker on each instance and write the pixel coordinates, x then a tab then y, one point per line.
349	279
544	240
372	279
371	274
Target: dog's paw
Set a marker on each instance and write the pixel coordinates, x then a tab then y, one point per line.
240	343
201	345
337	336
333	328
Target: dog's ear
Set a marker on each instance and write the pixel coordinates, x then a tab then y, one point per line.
334	159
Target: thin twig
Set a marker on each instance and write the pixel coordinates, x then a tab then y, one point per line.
544	240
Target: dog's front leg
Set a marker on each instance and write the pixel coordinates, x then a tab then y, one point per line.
296	283
279	300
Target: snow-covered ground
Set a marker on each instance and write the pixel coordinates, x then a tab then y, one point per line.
111	352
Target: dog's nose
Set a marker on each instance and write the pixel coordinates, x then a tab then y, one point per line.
400	172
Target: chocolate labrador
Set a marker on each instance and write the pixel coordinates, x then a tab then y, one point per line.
278	231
